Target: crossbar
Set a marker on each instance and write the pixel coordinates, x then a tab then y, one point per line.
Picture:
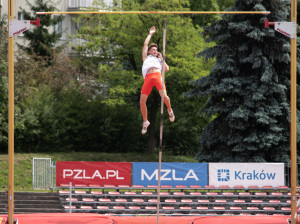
158	12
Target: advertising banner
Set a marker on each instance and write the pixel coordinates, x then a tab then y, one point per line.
246	174
98	173
171	174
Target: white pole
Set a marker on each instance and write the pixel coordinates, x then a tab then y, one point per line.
161	118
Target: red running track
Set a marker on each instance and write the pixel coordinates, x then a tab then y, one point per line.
88	218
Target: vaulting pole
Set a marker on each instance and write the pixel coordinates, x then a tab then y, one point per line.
157	12
10	117
294	115
161	119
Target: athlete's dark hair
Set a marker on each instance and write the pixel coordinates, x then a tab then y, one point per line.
152	45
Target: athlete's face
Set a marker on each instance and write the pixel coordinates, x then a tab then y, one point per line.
153	51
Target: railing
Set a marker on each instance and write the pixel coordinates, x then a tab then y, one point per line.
43	174
179	200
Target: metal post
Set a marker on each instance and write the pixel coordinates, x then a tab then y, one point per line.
10	117
52	175
161	119
33	173
70	198
294	116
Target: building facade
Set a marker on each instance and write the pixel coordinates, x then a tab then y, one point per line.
66	28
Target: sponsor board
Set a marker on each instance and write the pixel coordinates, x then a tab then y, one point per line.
171	174
246	174
98	173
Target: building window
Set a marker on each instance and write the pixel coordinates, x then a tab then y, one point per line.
21	17
75	26
58	28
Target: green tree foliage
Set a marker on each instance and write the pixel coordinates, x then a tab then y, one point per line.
298	10
41	41
58	109
248	87
227	4
116	41
208	5
3	83
4	89
32	74
72	121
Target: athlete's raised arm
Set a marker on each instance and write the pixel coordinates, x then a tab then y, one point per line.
145	48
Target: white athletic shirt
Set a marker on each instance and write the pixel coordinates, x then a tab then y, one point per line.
151	62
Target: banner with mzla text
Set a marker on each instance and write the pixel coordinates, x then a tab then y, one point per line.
146	173
246	174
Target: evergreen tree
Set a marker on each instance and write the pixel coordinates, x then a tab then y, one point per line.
41	41
248	88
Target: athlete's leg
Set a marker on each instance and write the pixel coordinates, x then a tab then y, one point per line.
166	99
147	87
144	111
158	85
168	104
143	106
162	90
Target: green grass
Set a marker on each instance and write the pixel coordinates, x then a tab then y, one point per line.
23	163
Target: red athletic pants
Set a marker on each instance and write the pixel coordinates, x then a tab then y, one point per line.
152	79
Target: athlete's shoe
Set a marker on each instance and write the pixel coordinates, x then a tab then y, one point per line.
145	126
171	116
